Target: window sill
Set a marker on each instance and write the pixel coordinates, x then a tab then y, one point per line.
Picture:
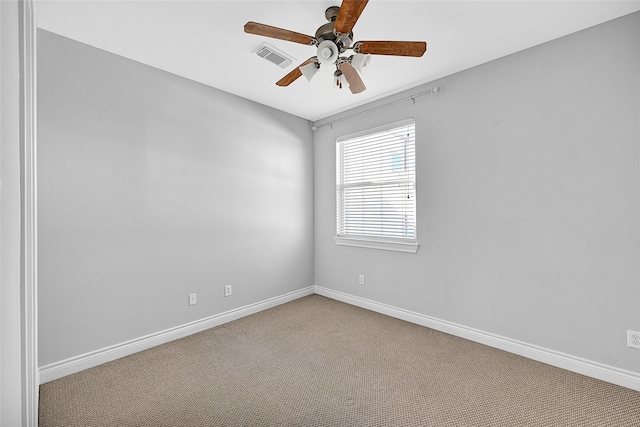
377	244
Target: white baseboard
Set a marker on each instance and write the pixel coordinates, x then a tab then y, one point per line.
561	360
88	360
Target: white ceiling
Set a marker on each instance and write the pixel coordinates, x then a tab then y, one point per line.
204	40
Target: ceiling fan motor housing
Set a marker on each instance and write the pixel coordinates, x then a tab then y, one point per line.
326	31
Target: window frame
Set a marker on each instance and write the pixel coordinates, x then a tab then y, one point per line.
409	245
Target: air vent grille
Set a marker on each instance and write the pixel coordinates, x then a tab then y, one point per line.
274	55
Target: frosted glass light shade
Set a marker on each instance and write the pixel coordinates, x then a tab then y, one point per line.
309	70
360	62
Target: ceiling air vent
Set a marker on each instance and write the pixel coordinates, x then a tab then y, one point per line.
274	55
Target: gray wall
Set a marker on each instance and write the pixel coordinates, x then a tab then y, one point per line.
10	349
152	187
528	198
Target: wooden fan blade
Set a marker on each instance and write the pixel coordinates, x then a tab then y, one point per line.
391	48
349	13
295	73
278	33
355	82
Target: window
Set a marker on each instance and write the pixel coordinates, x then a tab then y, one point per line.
375	188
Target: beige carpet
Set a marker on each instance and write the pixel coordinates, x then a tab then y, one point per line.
319	362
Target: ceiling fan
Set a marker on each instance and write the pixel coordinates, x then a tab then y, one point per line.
332	40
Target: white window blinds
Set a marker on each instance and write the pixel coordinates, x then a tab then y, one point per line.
375	184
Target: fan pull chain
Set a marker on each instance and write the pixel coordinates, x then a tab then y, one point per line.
338	76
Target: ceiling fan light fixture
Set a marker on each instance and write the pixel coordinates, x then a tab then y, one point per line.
360	62
327	52
309	70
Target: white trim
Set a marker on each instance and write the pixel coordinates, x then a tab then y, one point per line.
561	360
75	364
29	229
377	244
579	365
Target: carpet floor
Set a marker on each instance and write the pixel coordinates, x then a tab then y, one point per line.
319	362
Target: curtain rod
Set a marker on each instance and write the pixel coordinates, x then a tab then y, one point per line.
435	89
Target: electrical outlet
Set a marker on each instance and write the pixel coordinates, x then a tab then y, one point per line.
227	291
633	338
361	279
192	299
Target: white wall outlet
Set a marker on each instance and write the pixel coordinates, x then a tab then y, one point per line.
633	338
192	299
227	291
361	279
